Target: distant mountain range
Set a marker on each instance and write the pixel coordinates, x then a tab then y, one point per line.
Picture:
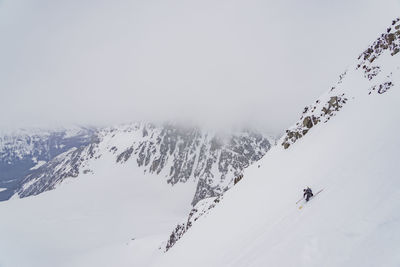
25	150
38	162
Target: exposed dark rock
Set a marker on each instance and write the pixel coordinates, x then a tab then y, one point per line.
240	177
307	122
312	118
389	41
124	156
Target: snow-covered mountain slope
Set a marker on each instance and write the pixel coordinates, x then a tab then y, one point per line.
93	220
116	199
173	152
25	150
346	144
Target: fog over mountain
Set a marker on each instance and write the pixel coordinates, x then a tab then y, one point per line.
214	62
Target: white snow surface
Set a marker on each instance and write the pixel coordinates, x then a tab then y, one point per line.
38	164
91	221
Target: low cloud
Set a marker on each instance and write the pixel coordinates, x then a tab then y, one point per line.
214	62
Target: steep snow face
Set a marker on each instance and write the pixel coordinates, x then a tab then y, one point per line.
25	150
350	149
174	153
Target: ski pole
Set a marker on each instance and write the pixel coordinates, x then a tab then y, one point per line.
300	200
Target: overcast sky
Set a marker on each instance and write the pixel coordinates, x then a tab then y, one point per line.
210	61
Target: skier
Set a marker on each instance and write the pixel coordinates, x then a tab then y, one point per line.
307	193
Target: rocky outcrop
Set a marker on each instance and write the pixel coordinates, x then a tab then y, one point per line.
381	88
237	179
321	111
387	42
369	65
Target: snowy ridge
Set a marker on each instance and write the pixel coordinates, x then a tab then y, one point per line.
174	152
373	66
